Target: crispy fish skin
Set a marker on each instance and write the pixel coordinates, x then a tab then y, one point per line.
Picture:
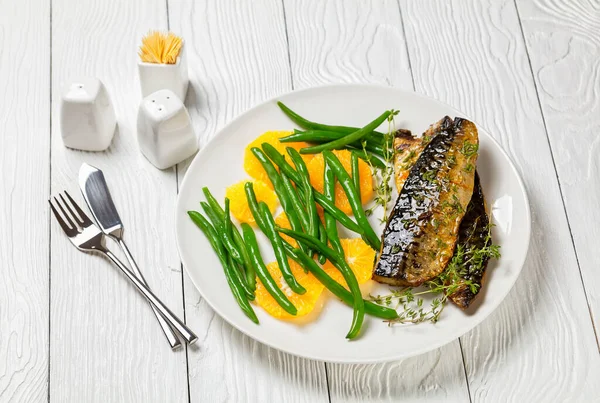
422	229
472	235
408	148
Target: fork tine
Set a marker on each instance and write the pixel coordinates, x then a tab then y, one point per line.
59	218
84	218
67	217
73	216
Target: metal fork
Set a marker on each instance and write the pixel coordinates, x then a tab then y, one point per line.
87	237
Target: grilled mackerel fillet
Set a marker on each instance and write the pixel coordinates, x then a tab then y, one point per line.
474	226
472	235
422	229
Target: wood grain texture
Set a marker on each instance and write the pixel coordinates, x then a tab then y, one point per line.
237	58
24	163
471	54
355	41
346	42
564	48
106	344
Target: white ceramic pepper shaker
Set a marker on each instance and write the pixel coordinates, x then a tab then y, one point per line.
87	117
165	133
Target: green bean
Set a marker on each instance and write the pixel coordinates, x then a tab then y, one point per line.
220	228
353	199
240	266
356	177
242	276
349	139
295	199
321	136
330	221
340	263
277	244
237	238
307	124
313	136
227	219
263	273
322	238
309	201
355	174
298	207
370	158
286	168
253	205
232	279
278	185
373	149
336	288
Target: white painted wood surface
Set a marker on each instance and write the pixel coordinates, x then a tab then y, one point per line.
73	329
24	218
564	51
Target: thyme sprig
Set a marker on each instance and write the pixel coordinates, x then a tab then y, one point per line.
465	263
383	189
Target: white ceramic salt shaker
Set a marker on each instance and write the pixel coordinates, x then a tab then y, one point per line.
87	117
165	132
159	76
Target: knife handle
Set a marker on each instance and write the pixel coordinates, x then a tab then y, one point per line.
165	326
165	312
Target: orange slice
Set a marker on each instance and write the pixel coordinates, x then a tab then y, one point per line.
316	168
239	204
254	168
304	303
360	258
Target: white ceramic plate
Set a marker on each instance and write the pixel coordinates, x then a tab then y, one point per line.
220	164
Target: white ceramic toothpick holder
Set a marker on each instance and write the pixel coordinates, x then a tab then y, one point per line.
165	133
87	117
159	76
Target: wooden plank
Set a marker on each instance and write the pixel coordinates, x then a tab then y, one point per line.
106	344
237	58
347	42
564	50
536	346
332	42
24	162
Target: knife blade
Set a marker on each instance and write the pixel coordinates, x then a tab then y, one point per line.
98	198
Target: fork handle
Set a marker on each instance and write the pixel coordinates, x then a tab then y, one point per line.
169	333
177	323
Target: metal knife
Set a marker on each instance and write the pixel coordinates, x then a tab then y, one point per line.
97	196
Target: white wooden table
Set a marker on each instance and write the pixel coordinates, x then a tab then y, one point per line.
73	330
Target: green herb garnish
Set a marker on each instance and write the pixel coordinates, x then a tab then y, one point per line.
464	264
383	190
469	149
